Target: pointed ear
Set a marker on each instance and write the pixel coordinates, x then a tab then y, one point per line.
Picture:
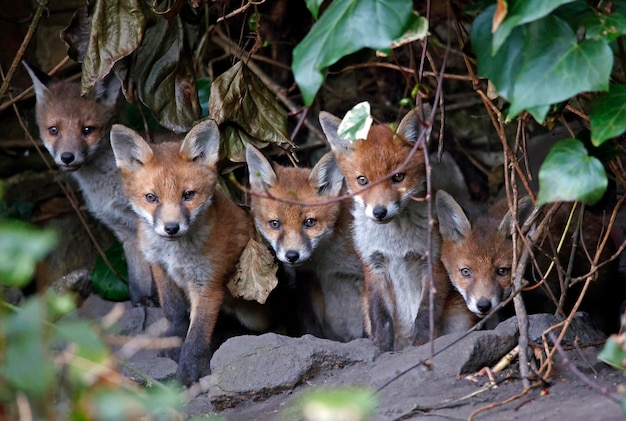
524	209
410	127
330	126
326	176
262	175
202	143
107	90
130	149
453	223
40	82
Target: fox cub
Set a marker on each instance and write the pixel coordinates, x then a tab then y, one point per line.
75	130
478	255
189	229
390	231
313	238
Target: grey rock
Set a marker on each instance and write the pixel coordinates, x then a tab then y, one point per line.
580	330
255	367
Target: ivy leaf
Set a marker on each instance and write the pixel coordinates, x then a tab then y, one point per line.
569	173
520	12
541	63
356	123
163	72
246	111
345	27
27	357
21	246
606	27
608	115
613	352
116	30
105	283
314	7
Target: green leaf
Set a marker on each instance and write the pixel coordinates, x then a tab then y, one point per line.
349	403
520	12
606	27
502	67
356	123
608	115
314	7
569	173
26	364
21	246
613	353
345	27
417	30
163	73
204	92
116	30
556	67
105	283
541	63
246	111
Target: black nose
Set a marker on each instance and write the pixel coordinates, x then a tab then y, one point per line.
484	305
171	228
67	157
380	212
292	256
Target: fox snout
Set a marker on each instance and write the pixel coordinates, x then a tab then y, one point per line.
293	256
380	213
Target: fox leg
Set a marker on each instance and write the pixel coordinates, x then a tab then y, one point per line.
421	327
175	307
141	285
195	354
378	319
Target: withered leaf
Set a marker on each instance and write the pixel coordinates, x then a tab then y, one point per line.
256	273
246	112
116	30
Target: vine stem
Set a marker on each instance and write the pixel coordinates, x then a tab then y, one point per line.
22	50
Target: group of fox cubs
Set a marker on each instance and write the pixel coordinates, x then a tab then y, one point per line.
371	256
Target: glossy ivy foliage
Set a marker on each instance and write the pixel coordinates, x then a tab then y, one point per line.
614	353
345	27
105	283
540	54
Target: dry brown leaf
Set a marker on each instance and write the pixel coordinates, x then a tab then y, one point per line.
256	273
500	14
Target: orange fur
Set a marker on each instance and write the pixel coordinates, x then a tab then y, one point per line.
189	229
391	231
478	256
309	238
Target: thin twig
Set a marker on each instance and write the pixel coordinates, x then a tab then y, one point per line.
22	50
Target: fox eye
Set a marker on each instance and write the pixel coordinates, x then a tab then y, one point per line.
466	272
503	271
274	224
398	177
87	130
151	198
310	222
53	130
188	195
361	180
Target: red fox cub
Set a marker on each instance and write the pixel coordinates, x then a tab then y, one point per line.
75	130
189	229
478	257
315	238
390	231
